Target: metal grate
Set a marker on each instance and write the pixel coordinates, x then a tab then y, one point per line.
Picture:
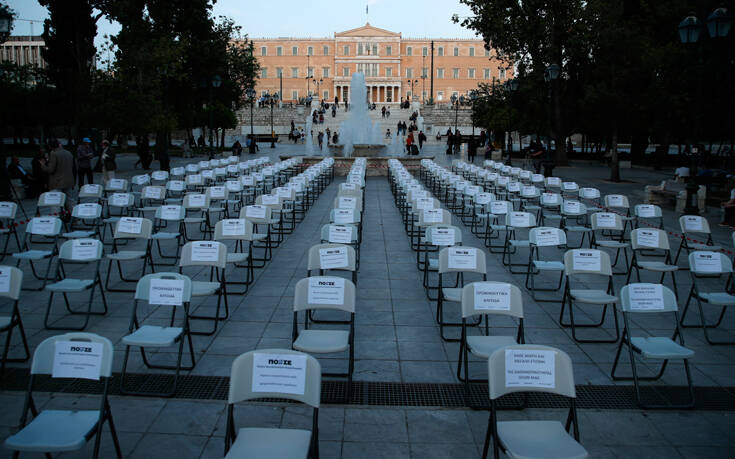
391	394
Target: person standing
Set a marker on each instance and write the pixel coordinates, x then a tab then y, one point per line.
186	148
409	143
108	161
60	170
422	139
84	162
450	141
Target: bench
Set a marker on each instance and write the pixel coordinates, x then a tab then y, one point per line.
671	190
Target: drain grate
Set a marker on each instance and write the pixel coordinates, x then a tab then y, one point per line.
391	394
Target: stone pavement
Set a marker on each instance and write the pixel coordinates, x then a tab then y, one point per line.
397	341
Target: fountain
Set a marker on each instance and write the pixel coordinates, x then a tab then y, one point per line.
359	135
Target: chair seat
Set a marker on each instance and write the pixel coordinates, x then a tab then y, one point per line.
658	266
277	443
498	227
4	321
484	346
612	244
54	431
78	234
718	298
33	254
593	296
111	220
548	265
578	228
259	237
433	264
697	246
552	217
236	257
153	336
322	341
70	285
193	220
162	235
452	294
199	288
532	207
536	439
520	243
659	347
126	255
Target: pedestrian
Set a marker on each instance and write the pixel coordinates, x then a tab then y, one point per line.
335	138
387	133
409	142
457	141
450	141
320	138
237	148
84	162
40	175
483	138
108	161
252	145
472	150
200	141
329	136
387	113
60	170
186	148
382	111
422	139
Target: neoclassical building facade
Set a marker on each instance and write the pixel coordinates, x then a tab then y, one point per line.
395	68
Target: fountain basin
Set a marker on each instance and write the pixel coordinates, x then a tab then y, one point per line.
376	166
365	150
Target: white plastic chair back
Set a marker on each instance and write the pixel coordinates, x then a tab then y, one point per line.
443	235
146	228
563	372
314	257
237	229
547	236
694	224
581	267
170	212
87	211
516	219
301	295
258	214
707	264
510	306
188	254
601	221
43	357
14	283
66	252
649	238
143	287
464	251
631	304
44	226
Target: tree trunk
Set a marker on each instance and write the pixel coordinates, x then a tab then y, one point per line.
614	160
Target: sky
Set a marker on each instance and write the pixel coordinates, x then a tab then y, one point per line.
299	18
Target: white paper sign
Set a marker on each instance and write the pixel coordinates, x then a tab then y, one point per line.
283	192
197	200
217	192
528	190
4	279
91	188
586	260
205	251
141	179
130	225
233	227
333	258
462	258
646	210
176	185
174	171
52	198
347	202
87	210
326	290
569	186
537	178
279	373
442	236
119	200
343	216
43	225
270	199
707	262
83	249
646	297
547	237
499	207
424	203
247	180
492	297
615	200
116	184
550	198
530	368
520	219
207	174
152	192
162	175
433	215
77	359
693	223
340	234
194	179
605	219
514	187
6	209
166	292
553	181
256	211
648	238
572	207
170	212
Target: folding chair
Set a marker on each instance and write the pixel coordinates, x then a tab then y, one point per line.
619	204
85	221
436	237
550	207
480	213
247	382
486	299
600	222
709	265
160	290
151	198
118	205
11	280
320	293
159	178
91	192
695	226
649	299
211	254
588	262
197	203
8	226
529	438
275	204
645	213
175	190
50	201
544	236
48	228
651	242
76	252
51	431
169	215
260	216
515	221
569	190
576	212
130	228
496	211
325	258
116	185
456	260
241	232
593	196
342	234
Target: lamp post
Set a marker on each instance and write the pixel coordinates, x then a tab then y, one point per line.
318	84
551	76
412	83
272	100
250	93
718	26
456	101
215	83
511	86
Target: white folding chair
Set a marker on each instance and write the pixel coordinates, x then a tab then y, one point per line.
11	280
47	228
8	226
130	229
693	226
539	237
212	255
459	260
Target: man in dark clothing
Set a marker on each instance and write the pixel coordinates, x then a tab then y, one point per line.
84	162
450	141
422	139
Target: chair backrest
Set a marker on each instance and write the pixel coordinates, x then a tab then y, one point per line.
45	353
443	235
44	226
348	202
589	193
646	297
81	250
133	228
176	186
170	212
233	229
587	261
196	201
90	190
204	253
647	211
547	236
606	221
619	201
492	298
499	207
122	200
649	238
257	213
709	263
324	292
573	208
550	199
694	224
52	198
339	234
344	216
247	370
11	281
520	219
143	287
87	210
218	193
331	256
270	200
462	259
159	176
116	185
428	217
152	192
8	209
530	368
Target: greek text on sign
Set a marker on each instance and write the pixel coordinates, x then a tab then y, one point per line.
4	279
333	258
605	220
586	260
646	210
483	198
528	190
119	199
217	192
514	187
83	249
615	200
279	373
340	234
205	251
270	199
152	192
116	183
550	198
707	262
347	202
6	209
462	258
77	359
194	179
283	192
247	180
43	225
537	178
197	200
130	225
442	236
520	219
208	174
547	237
693	223
424	203
326	290
499	207
530	368
646	297
554	181
648	238
572	207
255	211
166	292
170	212
52	198
569	186
343	216
491	296
233	227
176	185
433	215
87	210
91	188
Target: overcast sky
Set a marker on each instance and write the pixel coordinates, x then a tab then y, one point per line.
299	18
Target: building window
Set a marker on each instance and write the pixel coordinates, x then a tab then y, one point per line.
501	74
279	72
440	73
409	51
345	71
388	50
279	51
264	73
472	52
375	49
325	72
440	95
294	50
487	74
346	50
374	70
310	51
294	72
263	51
425	72
440	51
424	51
310	72
409	73
326	50
471	73
359	49
456	51
325	94
388	72
455	73
295	95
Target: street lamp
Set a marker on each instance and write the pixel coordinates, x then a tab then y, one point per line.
250	93
511	86
214	84
412	83
272	100
318	83
456	101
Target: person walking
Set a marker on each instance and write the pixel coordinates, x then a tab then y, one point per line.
60	170
450	141
422	139
84	162
108	161
409	143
